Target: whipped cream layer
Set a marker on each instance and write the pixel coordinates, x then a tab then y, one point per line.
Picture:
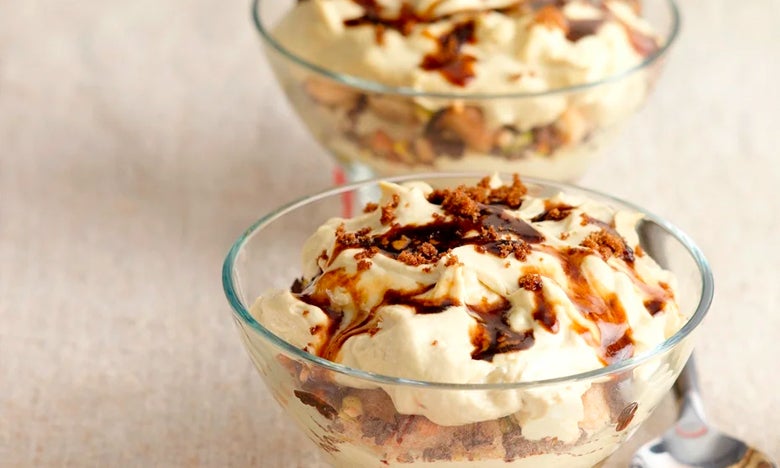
482	284
476	46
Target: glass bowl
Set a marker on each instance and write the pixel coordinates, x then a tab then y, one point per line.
349	413
377	130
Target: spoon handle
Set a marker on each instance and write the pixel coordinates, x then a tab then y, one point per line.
687	390
688	380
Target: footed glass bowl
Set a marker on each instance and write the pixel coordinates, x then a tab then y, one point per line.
373	129
350	414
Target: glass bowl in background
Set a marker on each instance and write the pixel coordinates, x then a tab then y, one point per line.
349	414
377	130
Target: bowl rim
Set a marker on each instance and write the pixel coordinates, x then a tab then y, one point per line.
242	314
371	86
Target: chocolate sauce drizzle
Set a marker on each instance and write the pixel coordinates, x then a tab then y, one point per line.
609	316
406	20
490	228
448	234
494	335
448	59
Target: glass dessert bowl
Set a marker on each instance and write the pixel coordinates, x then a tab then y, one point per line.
529	87
361	417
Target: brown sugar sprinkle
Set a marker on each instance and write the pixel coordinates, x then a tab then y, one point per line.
564	235
531	282
388	211
370	207
606	244
363	265
452	260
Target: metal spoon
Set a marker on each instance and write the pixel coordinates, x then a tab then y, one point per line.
691	442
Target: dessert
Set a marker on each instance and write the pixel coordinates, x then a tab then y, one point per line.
484	284
454	51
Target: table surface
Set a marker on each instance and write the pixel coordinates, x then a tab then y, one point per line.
138	139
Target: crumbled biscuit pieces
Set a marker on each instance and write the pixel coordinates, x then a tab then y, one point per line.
388	211
465	201
608	245
530	282
348	240
553	213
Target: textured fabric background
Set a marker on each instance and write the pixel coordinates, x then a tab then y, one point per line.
138	138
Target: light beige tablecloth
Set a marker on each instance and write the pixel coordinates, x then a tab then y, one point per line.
137	140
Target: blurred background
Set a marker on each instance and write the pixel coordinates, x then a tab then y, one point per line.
138	139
